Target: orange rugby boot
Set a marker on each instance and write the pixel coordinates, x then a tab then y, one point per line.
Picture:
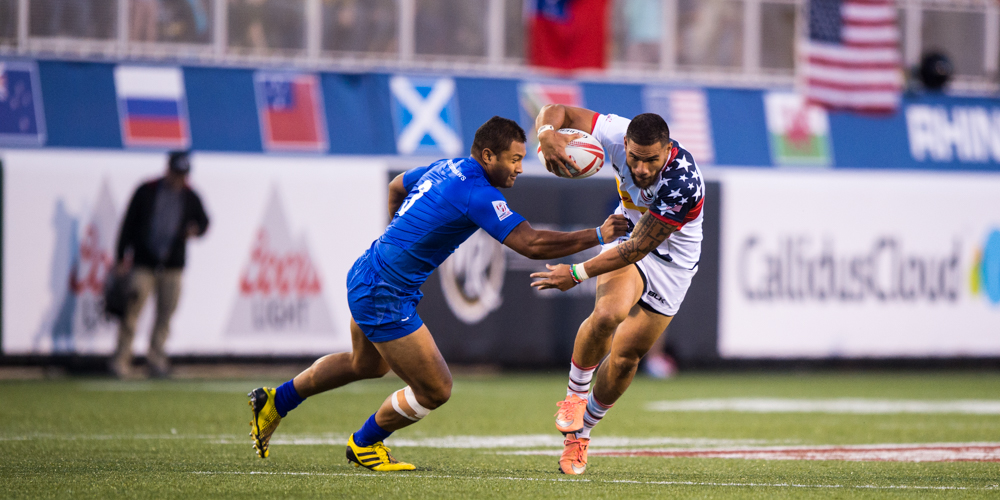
574	456
569	418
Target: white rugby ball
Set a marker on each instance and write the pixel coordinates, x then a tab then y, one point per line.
585	150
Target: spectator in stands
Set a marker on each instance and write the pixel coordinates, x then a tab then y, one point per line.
643	20
145	21
356	26
710	33
246	24
68	17
161	217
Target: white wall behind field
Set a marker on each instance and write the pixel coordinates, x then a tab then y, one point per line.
326	211
821	264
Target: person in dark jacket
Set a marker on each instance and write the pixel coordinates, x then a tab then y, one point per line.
162	215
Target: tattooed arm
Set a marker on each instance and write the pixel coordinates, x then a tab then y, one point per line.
649	233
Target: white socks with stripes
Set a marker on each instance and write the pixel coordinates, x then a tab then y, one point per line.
579	379
595	412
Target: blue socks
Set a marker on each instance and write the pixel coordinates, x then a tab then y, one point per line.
286	398
370	433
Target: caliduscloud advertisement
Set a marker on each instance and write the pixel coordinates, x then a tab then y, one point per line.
268	278
859	264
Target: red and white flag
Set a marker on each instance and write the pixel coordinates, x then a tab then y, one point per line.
852	58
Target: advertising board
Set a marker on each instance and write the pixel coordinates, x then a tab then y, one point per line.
266	279
859	264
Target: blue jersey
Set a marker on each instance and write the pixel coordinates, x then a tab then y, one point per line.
447	202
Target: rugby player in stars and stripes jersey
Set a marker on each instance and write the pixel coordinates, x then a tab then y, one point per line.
641	278
434	209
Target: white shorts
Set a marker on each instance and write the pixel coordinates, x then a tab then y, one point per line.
664	284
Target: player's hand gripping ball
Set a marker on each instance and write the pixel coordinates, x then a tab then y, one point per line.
585	150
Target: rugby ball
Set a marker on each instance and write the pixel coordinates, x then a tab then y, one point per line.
586	151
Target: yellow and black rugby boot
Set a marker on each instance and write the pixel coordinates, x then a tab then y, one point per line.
265	418
375	457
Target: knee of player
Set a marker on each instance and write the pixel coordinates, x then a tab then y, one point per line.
434	397
439	396
625	362
607	319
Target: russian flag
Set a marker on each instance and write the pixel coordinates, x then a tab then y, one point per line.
152	107
291	112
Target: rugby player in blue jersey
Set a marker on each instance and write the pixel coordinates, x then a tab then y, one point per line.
435	208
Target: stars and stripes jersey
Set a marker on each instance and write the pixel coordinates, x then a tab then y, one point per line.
675	198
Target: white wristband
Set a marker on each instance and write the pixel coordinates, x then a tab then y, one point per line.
544	128
580	272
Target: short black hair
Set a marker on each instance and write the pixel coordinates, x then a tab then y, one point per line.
648	129
179	161
497	134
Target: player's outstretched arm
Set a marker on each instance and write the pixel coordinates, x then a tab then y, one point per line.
540	244
397	193
553	117
649	233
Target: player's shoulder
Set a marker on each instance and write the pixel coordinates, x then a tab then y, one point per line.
682	163
610	126
682	173
461	179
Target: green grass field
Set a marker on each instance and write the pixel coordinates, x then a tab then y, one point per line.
97	438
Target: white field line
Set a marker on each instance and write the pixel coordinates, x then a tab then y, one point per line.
930	452
221	387
843	405
412	475
522	441
464	442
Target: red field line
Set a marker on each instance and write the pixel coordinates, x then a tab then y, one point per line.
877	453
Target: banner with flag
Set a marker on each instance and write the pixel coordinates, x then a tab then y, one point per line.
291	112
532	96
686	113
22	122
852	55
152	106
567	34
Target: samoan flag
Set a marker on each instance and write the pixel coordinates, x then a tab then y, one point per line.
152	107
291	112
567	34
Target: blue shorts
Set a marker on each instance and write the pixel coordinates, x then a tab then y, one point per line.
383	311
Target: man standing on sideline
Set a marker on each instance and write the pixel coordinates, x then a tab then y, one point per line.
642	278
162	215
435	208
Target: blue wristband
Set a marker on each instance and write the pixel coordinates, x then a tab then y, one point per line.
600	238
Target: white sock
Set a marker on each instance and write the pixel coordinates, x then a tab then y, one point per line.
579	379
595	412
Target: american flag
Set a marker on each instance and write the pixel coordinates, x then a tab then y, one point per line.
852	55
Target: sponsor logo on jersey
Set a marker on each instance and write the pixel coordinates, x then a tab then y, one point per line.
455	170
500	207
152	107
799	132
472	277
280	289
